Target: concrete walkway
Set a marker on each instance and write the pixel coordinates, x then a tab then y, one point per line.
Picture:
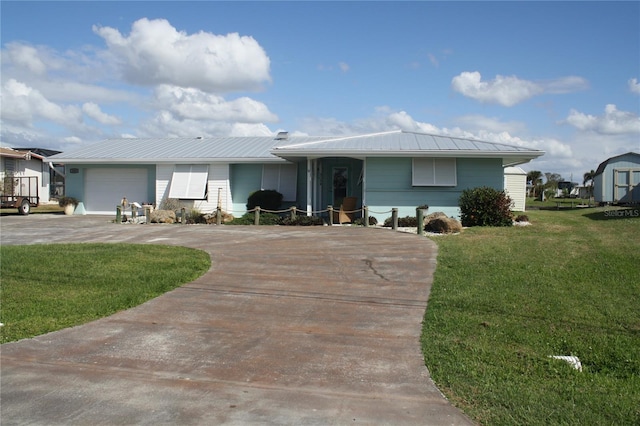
290	326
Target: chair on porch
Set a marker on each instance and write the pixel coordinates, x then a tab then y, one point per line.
346	213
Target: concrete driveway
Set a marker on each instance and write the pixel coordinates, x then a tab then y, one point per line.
290	326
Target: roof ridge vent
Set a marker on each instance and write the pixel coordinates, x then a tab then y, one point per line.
282	136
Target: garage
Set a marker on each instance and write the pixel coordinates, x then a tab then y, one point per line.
105	187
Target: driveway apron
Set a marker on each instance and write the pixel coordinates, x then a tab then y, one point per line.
290	326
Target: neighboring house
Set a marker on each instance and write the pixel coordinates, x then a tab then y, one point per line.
20	162
382	170
515	185
617	180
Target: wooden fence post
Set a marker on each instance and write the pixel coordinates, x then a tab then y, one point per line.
256	221
218	216
118	214
394	218
293	213
420	220
330	209
365	212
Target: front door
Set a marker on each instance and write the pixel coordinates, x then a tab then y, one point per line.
340	184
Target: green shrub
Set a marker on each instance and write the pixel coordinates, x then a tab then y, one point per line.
360	221
403	222
267	199
303	221
195	216
485	206
249	219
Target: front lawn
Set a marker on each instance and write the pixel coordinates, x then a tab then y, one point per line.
505	299
54	286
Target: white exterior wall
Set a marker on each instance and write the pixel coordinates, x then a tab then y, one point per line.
217	183
515	184
33	167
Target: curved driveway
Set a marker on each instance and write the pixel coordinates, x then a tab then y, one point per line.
290	326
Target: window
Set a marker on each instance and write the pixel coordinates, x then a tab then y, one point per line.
434	172
9	165
282	178
189	181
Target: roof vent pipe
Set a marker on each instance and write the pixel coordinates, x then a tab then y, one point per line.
282	136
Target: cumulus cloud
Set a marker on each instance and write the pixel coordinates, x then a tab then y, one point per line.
197	105
93	111
612	122
166	124
25	57
155	52
634	86
510	90
344	67
22	103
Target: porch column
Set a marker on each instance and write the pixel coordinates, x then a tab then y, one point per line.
309	186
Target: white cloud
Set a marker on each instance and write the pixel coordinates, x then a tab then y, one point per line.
24	57
197	105
634	86
93	111
612	122
23	104
156	53
510	90
167	125
344	67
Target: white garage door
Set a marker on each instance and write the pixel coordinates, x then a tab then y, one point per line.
104	188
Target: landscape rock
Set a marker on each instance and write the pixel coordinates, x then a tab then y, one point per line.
163	216
210	218
441	223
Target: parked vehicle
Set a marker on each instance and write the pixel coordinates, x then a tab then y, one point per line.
20	193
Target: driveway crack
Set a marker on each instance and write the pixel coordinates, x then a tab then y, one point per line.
369	263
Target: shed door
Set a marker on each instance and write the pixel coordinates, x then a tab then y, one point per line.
104	188
626	185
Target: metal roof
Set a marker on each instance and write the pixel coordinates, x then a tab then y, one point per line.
176	150
401	143
269	148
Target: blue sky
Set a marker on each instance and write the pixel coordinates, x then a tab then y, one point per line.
563	77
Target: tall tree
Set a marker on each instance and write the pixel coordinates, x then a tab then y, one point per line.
588	177
534	178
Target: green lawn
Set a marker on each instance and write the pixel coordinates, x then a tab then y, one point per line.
50	287
505	299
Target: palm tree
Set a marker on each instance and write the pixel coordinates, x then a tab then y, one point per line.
589	176
534	177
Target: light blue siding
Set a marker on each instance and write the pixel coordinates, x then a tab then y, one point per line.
244	180
389	185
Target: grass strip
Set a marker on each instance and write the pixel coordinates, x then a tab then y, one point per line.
505	299
54	286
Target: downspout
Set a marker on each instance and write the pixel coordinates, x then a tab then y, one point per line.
56	170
